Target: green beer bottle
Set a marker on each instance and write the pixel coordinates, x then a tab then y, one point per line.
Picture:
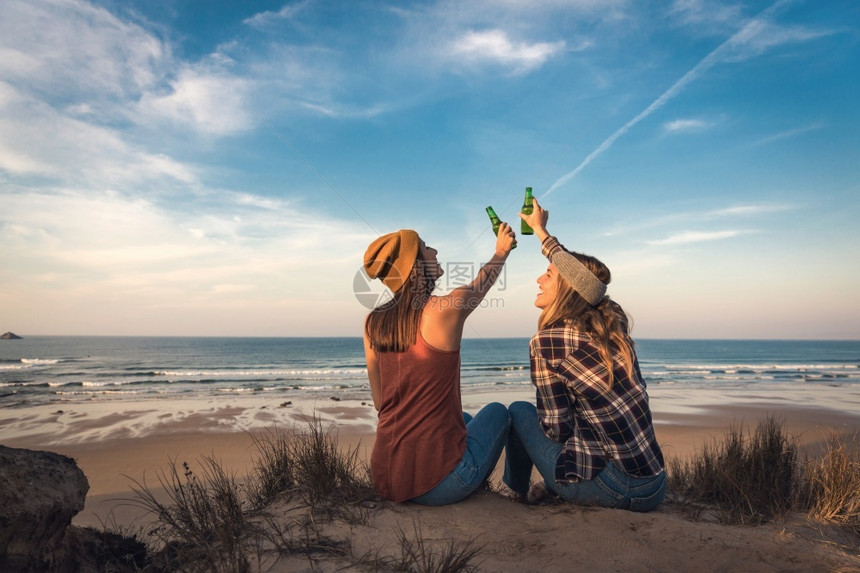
494	219
527	209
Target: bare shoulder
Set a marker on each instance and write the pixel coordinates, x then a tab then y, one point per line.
440	324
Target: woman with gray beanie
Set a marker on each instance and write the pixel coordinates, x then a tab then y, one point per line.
427	449
591	436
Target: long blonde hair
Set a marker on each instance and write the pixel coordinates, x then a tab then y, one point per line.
606	324
393	326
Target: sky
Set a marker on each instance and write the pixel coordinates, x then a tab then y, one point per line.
206	168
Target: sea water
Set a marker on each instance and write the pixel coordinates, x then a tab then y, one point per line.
72	369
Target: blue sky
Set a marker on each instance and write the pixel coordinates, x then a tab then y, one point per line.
217	168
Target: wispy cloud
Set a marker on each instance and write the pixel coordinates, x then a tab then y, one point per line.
37	139
751	40
494	46
686	217
688	237
749	210
347	111
77	50
209	102
789	133
681	126
99	239
710	14
287	12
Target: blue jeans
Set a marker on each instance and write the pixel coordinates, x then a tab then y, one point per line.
486	435
612	487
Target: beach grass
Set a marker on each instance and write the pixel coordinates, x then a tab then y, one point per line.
302	482
831	488
751	477
417	554
201	524
748	477
213	522
309	465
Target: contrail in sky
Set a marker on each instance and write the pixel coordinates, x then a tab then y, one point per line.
720	54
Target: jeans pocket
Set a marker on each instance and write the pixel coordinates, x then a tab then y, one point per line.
609	496
649	502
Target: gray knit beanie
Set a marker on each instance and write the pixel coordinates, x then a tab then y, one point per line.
580	278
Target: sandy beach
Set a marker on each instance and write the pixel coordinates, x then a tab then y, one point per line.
123	441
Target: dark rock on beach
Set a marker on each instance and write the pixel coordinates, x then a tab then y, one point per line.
9	336
40	492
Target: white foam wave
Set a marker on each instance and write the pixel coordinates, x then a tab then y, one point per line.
680	368
39	361
267	373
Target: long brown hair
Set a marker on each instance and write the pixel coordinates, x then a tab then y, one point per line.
393	326
606	324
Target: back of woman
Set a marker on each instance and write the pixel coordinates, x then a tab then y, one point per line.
421	434
590	433
427	449
606	420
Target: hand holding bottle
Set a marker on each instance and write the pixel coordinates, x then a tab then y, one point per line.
537	219
497	223
506	240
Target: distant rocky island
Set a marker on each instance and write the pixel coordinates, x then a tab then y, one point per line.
9	336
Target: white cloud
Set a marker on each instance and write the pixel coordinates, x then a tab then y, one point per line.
287	12
210	102
121	253
687	237
36	139
679	126
76	49
494	46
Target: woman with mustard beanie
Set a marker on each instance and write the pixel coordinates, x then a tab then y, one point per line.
427	449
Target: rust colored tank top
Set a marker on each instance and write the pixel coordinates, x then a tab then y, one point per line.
420	435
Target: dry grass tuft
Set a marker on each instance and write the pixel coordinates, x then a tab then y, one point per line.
419	555
831	488
748	478
214	523
201	525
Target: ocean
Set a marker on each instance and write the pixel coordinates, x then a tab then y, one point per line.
65	370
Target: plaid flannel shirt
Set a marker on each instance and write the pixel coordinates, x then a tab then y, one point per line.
595	425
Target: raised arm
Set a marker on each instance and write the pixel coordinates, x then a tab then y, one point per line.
444	317
583	280
467	298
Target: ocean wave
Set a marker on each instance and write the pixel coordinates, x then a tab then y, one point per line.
40	361
99	392
753	367
266	373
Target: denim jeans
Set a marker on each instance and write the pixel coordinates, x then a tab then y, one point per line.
612	487
486	435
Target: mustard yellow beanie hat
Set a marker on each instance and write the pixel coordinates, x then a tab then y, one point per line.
390	258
